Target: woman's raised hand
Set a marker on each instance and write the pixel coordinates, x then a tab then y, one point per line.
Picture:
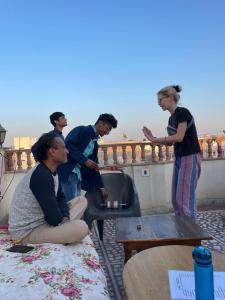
148	134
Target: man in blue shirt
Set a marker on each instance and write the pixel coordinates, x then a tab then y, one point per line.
81	169
59	121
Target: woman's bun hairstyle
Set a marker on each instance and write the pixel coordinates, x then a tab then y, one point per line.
178	88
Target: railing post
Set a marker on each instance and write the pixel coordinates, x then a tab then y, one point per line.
201	142
8	154
209	142
142	152
153	153
105	154
219	146
29	163
168	156
219	150
124	154
19	160
133	149
160	152
115	156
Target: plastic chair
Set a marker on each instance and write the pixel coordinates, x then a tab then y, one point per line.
122	193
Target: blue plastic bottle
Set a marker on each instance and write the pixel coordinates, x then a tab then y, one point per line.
203	270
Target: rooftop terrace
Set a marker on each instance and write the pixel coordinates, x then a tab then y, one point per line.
150	167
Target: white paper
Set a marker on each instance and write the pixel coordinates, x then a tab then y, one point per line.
182	285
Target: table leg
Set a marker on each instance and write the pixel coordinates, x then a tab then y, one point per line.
127	253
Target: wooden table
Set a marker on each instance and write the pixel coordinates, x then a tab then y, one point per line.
145	275
139	233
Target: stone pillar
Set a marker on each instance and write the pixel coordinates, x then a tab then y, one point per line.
154	159
201	143
29	162
2	171
19	160
115	156
143	152
160	148
219	141
133	149
8	160
209	142
2	166
168	156
105	155
124	153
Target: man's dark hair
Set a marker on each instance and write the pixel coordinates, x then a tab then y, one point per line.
45	142
55	116
107	118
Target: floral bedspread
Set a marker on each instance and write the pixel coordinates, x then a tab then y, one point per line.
51	271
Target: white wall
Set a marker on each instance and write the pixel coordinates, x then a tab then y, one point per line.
211	185
154	190
6	201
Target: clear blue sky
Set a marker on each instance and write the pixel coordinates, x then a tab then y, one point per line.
86	57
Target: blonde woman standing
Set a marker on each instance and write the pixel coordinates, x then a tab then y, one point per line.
187	162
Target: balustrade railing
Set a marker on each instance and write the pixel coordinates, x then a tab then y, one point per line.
133	152
122	154
18	160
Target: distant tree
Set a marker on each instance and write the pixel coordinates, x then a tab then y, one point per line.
124	136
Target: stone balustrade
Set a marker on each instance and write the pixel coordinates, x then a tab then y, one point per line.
18	160
122	154
133	152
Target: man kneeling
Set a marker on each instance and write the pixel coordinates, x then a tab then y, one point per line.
39	212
